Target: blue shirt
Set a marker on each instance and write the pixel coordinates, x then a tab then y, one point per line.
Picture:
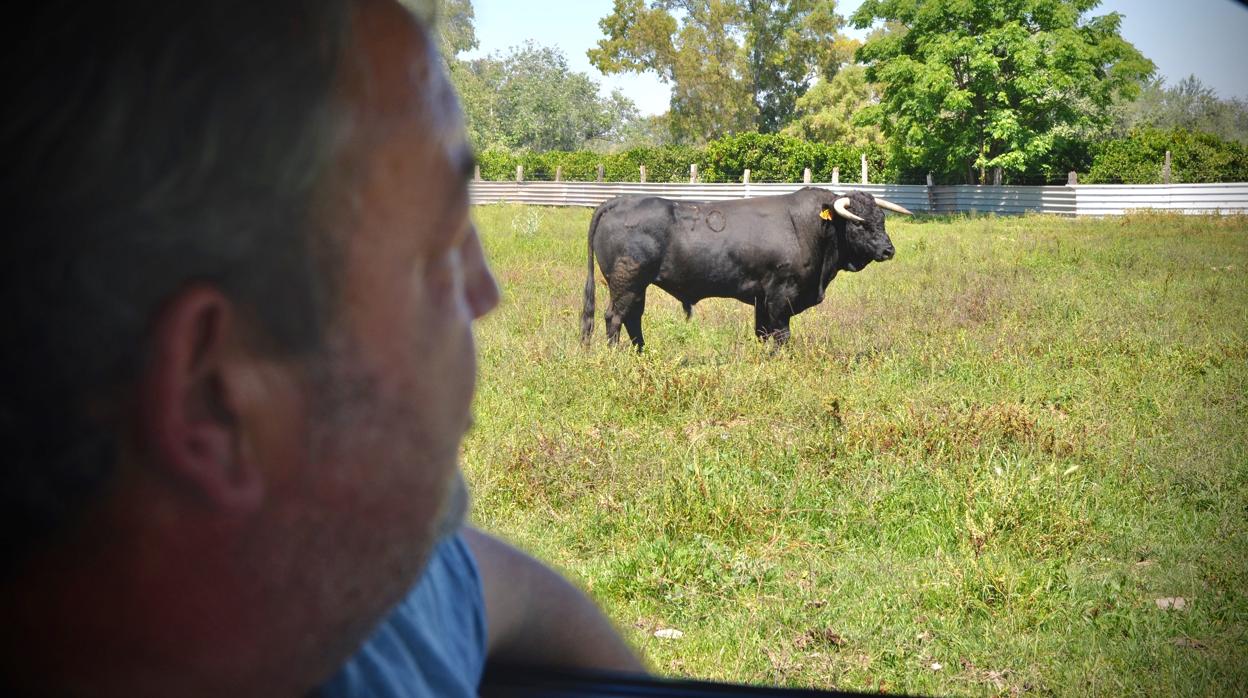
433	643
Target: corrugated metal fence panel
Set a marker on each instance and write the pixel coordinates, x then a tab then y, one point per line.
955	199
1083	200
912	196
1116	199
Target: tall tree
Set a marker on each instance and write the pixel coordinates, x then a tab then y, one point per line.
733	65
531	100
1189	104
653	131
699	56
476	82
787	44
456	33
971	85
826	112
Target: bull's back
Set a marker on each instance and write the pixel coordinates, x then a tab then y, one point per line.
633	227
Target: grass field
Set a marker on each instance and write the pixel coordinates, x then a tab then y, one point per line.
975	470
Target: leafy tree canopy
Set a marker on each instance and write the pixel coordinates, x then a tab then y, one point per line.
970	85
456	33
646	131
826	112
531	99
1189	105
733	65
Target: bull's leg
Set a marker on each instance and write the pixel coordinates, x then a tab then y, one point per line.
632	321
780	332
762	321
628	294
781	311
771	318
614	322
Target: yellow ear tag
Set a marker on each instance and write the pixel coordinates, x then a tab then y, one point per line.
825	214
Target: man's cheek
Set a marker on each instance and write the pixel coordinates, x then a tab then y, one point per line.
440	290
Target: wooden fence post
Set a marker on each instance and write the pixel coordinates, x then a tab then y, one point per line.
930	183
643	174
476	173
1072	179
931	193
600	172
693	174
806	176
559	173
836	175
864	168
519	173
996	176
746	178
1165	170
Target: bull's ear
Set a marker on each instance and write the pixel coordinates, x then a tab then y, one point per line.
825	214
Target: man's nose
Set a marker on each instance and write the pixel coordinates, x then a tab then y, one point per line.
480	286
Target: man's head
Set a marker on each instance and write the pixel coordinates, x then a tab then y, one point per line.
241	281
148	146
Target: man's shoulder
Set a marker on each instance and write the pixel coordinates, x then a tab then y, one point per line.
432	643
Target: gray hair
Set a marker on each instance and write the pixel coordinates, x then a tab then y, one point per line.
149	145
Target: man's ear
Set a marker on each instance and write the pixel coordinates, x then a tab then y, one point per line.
189	401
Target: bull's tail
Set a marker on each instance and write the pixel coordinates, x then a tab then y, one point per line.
587	314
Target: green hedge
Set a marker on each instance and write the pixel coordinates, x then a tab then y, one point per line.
1195	157
780	158
1137	159
769	157
668	164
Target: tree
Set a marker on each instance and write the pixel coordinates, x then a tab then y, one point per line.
971	85
733	65
699	57
476	82
530	99
652	131
456	33
826	112
787	44
1189	105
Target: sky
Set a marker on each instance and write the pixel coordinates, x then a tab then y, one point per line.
1205	38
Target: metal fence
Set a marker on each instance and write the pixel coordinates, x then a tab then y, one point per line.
1078	200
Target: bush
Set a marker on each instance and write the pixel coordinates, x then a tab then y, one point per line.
781	158
769	157
1137	159
497	165
1195	157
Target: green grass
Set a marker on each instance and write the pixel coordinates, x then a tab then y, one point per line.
993	453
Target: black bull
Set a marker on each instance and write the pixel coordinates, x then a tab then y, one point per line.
776	253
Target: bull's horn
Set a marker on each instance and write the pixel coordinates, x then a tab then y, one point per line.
841	206
890	206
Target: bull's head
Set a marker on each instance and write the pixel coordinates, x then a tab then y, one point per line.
858	219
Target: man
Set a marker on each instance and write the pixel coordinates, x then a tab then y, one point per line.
240	281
